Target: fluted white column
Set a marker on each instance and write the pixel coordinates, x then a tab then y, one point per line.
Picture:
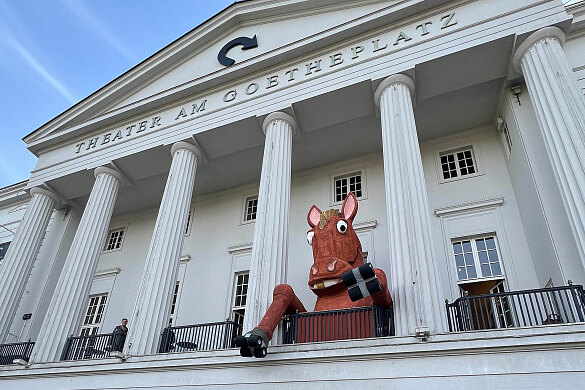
560	109
21	254
153	304
71	293
413	277
268	266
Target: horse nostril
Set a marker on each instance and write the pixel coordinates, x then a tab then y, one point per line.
331	266
314	270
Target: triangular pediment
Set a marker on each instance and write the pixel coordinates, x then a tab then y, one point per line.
192	60
272	33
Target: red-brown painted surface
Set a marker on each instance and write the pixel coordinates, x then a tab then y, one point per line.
336	250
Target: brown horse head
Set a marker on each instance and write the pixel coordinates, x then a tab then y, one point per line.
336	247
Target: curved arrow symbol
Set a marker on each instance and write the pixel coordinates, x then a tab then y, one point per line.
247	43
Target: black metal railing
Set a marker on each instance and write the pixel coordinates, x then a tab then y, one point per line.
544	306
199	337
10	352
357	323
96	346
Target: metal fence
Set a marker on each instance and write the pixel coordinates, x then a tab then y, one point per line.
544	306
96	346
199	337
10	352
356	323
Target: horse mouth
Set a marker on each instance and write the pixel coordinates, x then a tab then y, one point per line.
325	284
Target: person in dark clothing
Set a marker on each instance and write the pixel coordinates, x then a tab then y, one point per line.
167	343
119	336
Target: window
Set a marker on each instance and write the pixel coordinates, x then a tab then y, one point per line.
458	163
477	258
174	304
115	239
240	294
251	208
347	183
3	249
506	139
189	222
94	314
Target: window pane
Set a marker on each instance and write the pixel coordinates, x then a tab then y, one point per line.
461	274
485	270
496	269
471	272
467	246
459	261
490	242
457	248
469	259
480	244
483	257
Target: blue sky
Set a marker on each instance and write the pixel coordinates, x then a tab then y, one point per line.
54	53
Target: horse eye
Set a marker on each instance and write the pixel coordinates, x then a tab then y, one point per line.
341	226
310	237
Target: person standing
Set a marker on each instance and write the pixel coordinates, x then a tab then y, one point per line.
119	336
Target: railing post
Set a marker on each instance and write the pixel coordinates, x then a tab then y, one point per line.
467	313
66	349
27	350
448	312
579	303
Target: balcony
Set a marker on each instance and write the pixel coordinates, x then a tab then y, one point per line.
96	346
357	323
11	352
200	337
555	305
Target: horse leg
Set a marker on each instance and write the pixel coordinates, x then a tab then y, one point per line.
284	301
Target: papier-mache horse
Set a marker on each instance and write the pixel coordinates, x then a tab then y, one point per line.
338	276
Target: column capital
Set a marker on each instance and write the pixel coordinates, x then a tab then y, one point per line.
394	80
279	115
190	147
535	37
43	191
111	172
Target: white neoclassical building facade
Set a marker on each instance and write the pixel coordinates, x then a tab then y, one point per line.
177	195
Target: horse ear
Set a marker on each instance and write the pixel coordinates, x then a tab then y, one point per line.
314	216
350	206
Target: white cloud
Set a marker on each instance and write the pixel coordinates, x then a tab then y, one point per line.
37	67
91	20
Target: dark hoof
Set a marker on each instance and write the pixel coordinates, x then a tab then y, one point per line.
254	341
361	282
260	352
245	352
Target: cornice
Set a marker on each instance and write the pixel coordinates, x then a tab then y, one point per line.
207	32
14	193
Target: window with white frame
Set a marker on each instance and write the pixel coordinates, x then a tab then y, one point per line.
251	208
477	257
3	249
344	184
506	139
115	239
189	222
458	163
174	303
94	314
240	294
